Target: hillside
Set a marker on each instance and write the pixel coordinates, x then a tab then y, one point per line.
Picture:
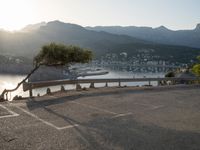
27	42
161	34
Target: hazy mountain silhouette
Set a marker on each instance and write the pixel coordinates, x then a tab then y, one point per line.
159	35
28	41
32	27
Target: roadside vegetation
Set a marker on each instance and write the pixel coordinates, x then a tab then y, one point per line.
196	68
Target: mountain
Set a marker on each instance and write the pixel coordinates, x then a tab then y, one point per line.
28	41
161	34
32	27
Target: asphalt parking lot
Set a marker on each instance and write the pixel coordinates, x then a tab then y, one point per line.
121	118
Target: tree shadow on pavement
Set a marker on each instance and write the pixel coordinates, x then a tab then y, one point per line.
126	133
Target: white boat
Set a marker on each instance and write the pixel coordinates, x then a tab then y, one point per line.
74	73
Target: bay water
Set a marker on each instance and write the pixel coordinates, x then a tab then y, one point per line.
11	81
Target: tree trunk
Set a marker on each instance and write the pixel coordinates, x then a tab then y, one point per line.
20	83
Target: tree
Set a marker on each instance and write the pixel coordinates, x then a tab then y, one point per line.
55	55
196	67
170	74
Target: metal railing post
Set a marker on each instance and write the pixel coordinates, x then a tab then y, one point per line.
92	85
30	91
119	82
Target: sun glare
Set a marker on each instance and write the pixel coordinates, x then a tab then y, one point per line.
15	14
8	85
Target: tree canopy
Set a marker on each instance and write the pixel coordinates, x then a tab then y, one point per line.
55	55
58	54
196	67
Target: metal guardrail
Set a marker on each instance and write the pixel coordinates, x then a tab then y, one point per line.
34	85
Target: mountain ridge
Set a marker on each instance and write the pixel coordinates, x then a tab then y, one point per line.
160	34
29	43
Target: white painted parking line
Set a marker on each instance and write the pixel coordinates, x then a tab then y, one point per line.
46	122
147	105
150	105
115	115
9	116
89	106
12	114
122	115
67	127
96	108
157	107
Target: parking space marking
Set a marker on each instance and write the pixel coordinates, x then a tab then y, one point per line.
67	127
122	115
12	114
96	108
150	105
115	115
89	106
147	105
46	122
157	107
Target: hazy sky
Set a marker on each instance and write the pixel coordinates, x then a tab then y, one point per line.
174	14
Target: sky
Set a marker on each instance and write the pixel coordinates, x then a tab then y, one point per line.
174	14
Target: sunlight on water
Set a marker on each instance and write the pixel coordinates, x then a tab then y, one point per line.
8	85
10	82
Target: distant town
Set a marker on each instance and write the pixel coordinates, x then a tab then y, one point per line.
143	61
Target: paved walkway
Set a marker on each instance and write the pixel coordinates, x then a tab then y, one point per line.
117	118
